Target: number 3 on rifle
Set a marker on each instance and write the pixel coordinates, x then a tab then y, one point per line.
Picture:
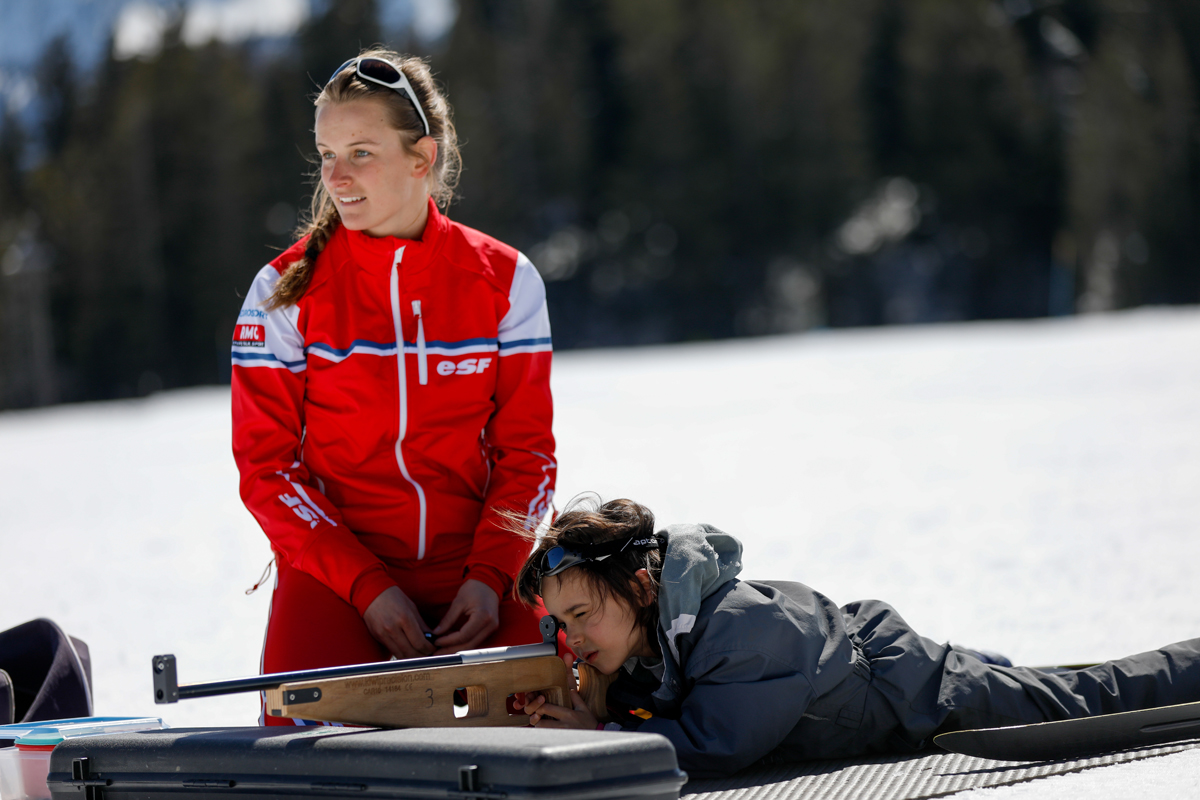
429	694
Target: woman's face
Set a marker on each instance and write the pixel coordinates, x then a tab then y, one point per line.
377	186
604	633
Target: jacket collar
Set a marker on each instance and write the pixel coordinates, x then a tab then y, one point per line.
698	562
378	252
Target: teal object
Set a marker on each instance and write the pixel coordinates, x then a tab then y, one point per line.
48	732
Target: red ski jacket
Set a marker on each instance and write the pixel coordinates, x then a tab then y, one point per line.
398	408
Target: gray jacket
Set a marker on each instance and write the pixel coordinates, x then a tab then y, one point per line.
764	669
755	668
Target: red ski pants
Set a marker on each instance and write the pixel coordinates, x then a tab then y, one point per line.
311	627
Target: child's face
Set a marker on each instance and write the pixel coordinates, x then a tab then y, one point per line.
602	633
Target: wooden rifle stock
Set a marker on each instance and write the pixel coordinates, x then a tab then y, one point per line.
414	692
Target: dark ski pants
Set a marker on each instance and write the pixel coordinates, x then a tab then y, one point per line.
980	695
918	688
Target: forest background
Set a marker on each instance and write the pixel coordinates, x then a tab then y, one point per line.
676	169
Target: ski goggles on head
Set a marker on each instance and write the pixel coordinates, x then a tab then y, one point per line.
384	73
559	558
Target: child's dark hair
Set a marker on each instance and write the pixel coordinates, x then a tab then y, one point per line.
587	522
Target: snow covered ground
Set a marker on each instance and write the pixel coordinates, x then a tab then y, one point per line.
1027	487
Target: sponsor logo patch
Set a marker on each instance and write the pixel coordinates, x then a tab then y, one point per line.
249	335
252	313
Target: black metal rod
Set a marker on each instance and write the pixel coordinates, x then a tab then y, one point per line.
261	682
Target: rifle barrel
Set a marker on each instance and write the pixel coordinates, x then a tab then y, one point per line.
164	667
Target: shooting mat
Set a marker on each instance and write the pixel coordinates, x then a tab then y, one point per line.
897	777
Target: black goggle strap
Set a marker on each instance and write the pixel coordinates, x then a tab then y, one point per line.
602	550
564	558
594	552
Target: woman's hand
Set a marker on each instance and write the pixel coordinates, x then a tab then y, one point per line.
548	715
477	606
393	619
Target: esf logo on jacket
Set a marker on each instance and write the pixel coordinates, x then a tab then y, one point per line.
468	366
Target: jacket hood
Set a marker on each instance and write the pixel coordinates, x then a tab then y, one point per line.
699	560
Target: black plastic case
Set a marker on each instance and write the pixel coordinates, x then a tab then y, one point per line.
461	763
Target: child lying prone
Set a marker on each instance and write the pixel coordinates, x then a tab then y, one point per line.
733	670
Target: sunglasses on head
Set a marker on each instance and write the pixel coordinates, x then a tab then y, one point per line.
559	558
384	73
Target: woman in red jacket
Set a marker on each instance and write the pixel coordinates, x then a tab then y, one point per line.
391	395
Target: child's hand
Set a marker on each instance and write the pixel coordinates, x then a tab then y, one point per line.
547	715
521	700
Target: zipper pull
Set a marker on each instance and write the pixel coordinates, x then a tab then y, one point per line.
422	365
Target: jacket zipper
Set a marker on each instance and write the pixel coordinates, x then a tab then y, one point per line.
422	366
396	319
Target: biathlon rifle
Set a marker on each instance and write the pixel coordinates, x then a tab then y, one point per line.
411	692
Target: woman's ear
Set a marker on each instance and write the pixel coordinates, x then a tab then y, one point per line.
426	150
646	587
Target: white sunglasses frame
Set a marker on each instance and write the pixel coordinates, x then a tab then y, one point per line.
401	87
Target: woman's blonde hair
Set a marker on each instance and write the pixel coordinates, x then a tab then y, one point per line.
322	219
